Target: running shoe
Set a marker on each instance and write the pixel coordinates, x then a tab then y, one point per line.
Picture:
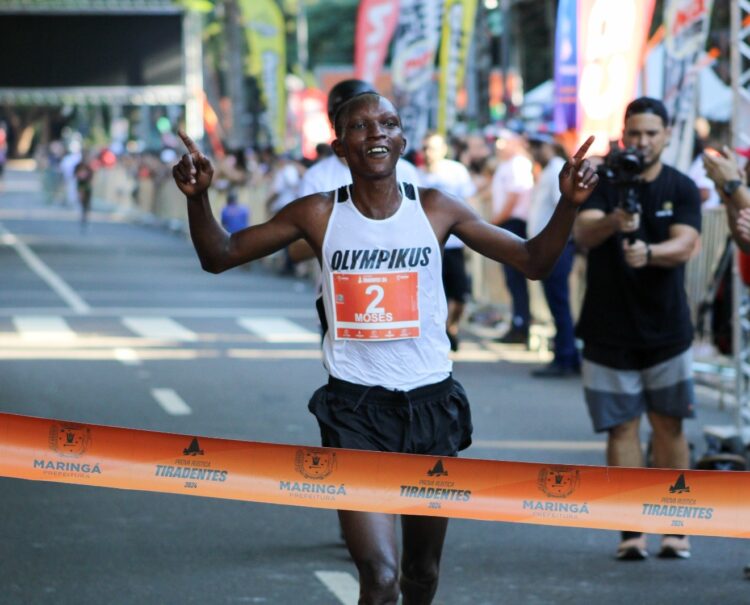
675	547
632	549
514	336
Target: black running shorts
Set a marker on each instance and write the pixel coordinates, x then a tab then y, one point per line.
433	420
456	281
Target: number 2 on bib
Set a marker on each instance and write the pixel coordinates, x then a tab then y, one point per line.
375	306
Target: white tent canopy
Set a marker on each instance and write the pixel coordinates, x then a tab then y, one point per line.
714	97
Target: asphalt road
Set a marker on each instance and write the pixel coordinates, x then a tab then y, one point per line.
120	326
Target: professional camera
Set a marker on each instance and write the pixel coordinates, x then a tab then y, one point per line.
622	168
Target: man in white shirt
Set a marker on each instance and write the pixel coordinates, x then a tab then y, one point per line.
286	179
452	178
511	191
544	197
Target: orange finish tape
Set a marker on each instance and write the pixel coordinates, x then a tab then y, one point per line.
711	503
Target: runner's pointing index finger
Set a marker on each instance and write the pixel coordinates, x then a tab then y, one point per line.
581	153
189	143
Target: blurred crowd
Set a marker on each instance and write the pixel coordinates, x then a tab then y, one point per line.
510	180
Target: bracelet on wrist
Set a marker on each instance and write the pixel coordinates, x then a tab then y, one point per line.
648	254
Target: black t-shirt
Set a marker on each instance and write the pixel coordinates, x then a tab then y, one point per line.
646	307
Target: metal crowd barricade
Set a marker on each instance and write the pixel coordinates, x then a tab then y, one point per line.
729	374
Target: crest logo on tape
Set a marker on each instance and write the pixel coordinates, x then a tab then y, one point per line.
314	464
558	482
69	440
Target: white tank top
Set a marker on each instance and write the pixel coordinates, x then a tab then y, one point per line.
383	296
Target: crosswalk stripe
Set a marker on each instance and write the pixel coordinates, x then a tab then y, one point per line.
45	328
192	312
171	402
341	584
277	329
160	328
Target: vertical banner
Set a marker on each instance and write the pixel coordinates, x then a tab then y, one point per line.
264	28
376	22
611	38
211	127
458	27
566	67
685	31
413	65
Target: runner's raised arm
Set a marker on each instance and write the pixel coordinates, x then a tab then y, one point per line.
535	257
217	249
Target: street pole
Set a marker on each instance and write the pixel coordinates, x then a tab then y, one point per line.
302	41
478	69
505	7
237	137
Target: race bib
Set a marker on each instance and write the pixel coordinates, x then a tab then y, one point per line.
375	306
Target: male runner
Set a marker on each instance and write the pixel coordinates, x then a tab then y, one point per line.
379	244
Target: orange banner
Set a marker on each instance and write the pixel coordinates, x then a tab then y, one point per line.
711	503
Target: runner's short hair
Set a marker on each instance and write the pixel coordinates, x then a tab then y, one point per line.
342	92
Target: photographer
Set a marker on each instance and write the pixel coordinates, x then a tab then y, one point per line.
640	226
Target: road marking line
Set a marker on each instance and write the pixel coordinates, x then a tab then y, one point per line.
52	279
277	329
268	354
127	356
46	328
568	446
159	327
342	584
69	353
171	402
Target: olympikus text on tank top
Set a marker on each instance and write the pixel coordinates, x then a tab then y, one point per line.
398	258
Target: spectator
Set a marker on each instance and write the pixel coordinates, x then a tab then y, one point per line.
452	178
697	171
234	216
731	181
67	167
84	175
285	178
323	151
546	152
635	321
511	194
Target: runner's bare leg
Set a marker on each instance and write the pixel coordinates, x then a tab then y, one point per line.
423	539
371	540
